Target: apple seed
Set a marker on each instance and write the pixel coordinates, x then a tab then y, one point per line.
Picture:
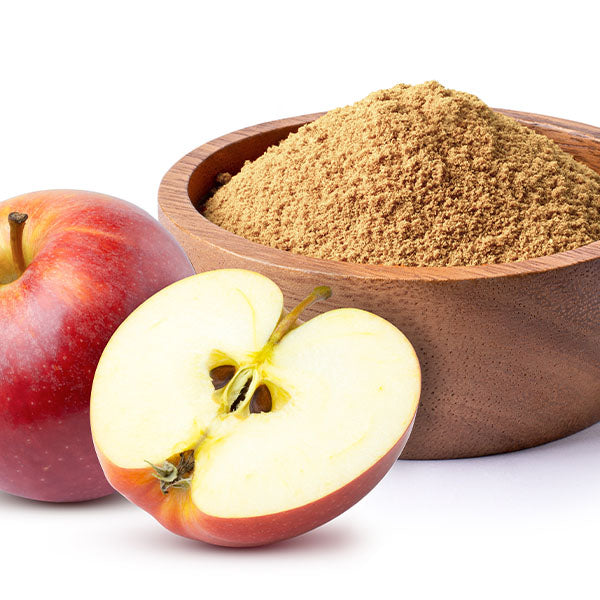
261	400
221	375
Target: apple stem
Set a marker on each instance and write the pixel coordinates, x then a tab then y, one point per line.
16	221
321	292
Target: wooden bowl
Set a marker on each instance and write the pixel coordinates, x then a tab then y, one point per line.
510	353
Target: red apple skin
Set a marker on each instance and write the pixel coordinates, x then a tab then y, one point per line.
177	512
94	259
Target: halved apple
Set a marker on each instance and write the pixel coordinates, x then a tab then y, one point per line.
232	424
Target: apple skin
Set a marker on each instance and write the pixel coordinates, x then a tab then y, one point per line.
93	260
177	512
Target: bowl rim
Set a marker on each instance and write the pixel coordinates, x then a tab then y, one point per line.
175	204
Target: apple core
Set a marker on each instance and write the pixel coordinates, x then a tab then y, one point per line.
239	389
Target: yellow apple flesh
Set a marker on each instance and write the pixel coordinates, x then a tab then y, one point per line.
343	390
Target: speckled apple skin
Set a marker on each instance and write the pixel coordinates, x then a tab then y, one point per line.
177	512
95	258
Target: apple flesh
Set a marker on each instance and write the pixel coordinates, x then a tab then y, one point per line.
232	424
69	274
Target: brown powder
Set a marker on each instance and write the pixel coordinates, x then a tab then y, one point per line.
414	175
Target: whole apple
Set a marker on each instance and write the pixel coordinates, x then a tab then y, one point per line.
73	265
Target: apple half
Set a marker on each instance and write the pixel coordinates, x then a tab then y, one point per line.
232	423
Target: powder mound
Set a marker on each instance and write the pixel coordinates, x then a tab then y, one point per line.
416	176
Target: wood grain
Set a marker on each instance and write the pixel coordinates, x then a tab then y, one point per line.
510	353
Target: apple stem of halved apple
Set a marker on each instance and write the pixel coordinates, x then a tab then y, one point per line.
245	383
242	387
321	292
16	221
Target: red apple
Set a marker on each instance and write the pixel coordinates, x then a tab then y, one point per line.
73	265
232	423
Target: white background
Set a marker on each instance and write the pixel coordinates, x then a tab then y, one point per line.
107	95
